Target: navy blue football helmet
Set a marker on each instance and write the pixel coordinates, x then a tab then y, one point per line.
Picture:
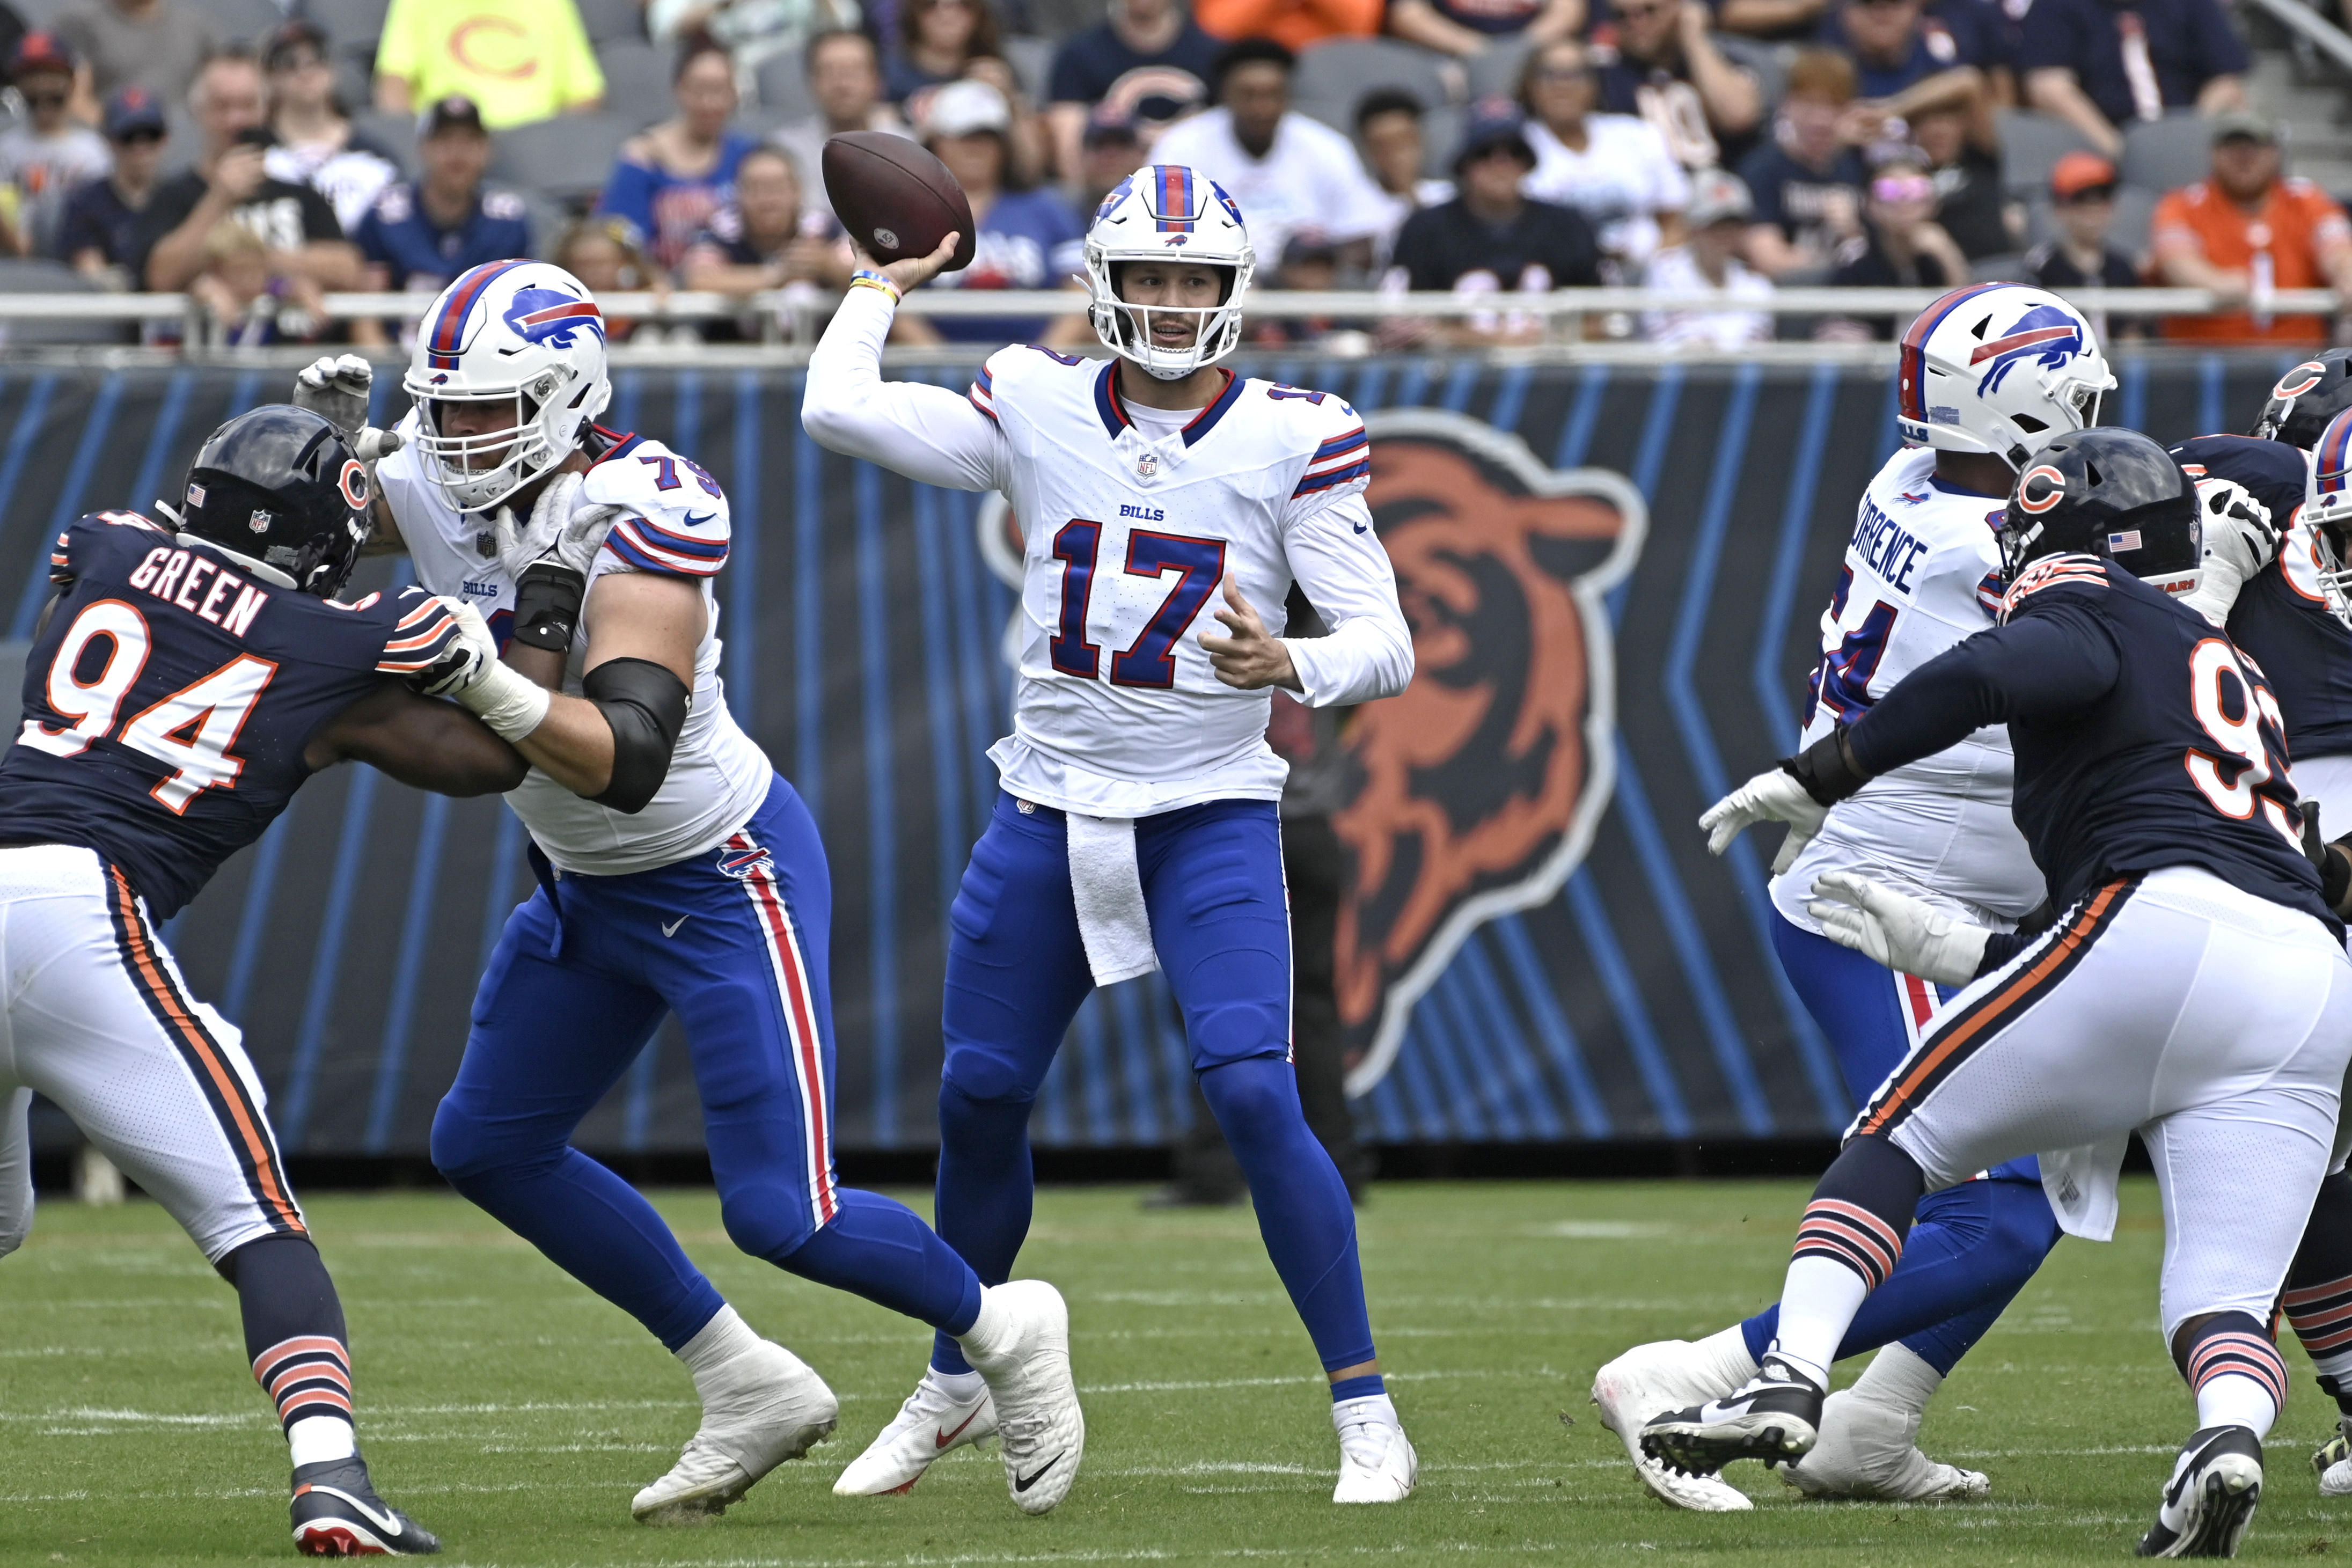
281	485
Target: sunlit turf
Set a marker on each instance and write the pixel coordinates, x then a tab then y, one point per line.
515	1414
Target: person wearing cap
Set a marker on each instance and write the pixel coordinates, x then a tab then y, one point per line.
315	143
518	60
1715	222
102	215
845	82
1658	59
1149	64
2247	230
1613	168
1284	170
1490	238
1110	150
423	233
2082	203
1025	236
668	181
159	45
46	154
2100	65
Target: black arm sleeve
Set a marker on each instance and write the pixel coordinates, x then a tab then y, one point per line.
646	704
2049	664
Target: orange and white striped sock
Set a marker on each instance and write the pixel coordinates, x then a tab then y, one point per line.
309	1377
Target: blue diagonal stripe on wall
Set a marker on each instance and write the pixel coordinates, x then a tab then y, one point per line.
1789	554
94	432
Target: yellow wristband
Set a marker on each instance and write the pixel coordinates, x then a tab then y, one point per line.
864	278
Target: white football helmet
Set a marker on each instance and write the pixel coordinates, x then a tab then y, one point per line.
1999	368
525	331
1163	212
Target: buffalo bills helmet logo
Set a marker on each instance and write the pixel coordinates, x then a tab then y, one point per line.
2045	334
551	317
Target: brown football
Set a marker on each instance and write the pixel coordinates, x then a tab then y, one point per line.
896	199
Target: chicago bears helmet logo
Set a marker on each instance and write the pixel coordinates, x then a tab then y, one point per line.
354	482
2043	488
551	317
2300	380
1476	791
2045	334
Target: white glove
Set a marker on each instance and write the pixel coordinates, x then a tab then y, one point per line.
1896	930
336	389
2240	541
471	674
462	663
560	530
1767	797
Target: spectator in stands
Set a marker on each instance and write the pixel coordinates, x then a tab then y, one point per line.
316	146
938	42
2100	64
44	156
102	217
250	302
1807	183
2247	231
1715	224
1293	24
295	224
1387	128
158	45
1466	28
760	240
1110	150
1901	245
1310	264
845	78
1962	156
749	31
1903	63
1490	238
1028	237
602	252
1657	60
520	60
1150	64
1286	173
2083	202
1613	168
669	181
422	234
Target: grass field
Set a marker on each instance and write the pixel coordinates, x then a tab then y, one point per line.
515	1414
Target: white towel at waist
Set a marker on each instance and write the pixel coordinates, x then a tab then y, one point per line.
1108	890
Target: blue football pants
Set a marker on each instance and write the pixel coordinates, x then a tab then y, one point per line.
1972	1246
1016	974
736	940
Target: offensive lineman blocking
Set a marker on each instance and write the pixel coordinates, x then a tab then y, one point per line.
1136	824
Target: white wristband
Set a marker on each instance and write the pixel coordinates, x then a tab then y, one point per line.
509	703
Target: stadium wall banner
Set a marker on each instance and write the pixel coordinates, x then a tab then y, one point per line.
1613	572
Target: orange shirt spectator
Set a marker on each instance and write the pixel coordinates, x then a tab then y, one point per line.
2246	231
1296	24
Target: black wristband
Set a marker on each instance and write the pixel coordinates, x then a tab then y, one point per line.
547	605
2335	874
1826	769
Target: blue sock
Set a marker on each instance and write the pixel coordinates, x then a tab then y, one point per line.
1303	1210
1972	1251
1358	1388
986	1192
878	1249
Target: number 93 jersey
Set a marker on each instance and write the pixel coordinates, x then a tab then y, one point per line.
170	698
1922	571
1133	519
677	523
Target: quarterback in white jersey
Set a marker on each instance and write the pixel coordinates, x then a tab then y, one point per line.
1138	827
677	872
1987	376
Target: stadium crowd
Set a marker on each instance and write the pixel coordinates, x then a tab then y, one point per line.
1479	146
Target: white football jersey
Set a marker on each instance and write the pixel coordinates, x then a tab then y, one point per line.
1133	518
1922	571
678	524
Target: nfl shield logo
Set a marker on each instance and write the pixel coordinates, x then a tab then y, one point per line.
261	522
1147	465
485	545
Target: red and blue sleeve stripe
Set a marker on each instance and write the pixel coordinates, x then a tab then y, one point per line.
647	546
983	394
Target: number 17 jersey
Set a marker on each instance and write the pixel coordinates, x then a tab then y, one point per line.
1922	571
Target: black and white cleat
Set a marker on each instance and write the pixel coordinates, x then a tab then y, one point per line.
1775	1416
337	1514
2211	1498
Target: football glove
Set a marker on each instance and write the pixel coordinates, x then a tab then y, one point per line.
1775	796
2240	541
1896	930
337	391
470	674
559	531
462	663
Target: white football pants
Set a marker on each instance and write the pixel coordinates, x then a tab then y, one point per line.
96	1016
2215	1023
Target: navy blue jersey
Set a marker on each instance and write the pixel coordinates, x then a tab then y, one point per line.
2144	739
2283	617
169	700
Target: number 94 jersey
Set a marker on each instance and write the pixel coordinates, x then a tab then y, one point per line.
1921	572
170	698
1133	518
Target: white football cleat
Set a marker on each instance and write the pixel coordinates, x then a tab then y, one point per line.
1869	1452
1021	1344
769	1408
1377	1463
2337	1479
930	1426
1648	1380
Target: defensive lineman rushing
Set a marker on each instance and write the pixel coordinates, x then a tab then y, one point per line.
677	872
1136	824
2195	990
1988	375
186	679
